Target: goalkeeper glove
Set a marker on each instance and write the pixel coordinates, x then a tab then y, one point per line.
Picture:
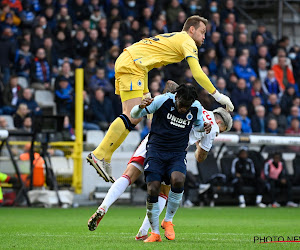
224	100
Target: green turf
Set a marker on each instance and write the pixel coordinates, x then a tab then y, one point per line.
196	228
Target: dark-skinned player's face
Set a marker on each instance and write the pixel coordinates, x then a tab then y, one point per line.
182	106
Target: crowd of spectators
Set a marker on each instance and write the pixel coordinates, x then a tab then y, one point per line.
45	41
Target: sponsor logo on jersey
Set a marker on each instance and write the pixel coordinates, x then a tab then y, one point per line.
172	108
189	116
178	122
147	166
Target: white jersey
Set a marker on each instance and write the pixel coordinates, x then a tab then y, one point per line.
205	140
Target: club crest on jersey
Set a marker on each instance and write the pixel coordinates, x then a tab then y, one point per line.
189	116
172	108
139	83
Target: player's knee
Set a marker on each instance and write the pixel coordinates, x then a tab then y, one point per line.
127	122
153	188
177	180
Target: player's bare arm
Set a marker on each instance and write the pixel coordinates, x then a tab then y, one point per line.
200	153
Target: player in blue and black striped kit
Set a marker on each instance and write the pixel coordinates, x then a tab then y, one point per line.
174	116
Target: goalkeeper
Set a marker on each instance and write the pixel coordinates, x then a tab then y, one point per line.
131	83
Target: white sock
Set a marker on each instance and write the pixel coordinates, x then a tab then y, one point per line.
115	191
146	224
241	199
173	204
153	215
258	199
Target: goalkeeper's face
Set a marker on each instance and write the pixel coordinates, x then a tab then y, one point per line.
182	105
199	34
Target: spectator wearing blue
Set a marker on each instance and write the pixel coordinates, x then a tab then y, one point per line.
226	69
102	109
242	43
64	97
49	14
9	23
27	15
229	8
271	85
80	12
216	43
241	94
258	121
221	86
99	80
259	41
23	59
40	71
27	98
243	70
243	117
88	114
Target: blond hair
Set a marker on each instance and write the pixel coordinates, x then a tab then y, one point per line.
194	21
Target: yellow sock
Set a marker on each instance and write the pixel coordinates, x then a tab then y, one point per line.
114	137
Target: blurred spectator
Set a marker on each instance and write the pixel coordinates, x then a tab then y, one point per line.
23	59
15	5
229	8
3	123
114	39
80	12
263	53
7	52
64	97
281	53
272	127
9	23
210	60
243	174
27	98
262	70
27	16
27	124
262	30
88	114
243	70
241	94
177	25
294	114
100	80
256	101
5	10
271	85
102	109
271	102
221	86
20	115
89	71
287	99
280	118
258	121
294	128
256	90
242	116
277	176
40	71
173	10
226	69
80	43
62	46
38	38
11	94
51	55
216	43
94	41
49	14
64	22
237	126
154	87
283	74
242	43
67	74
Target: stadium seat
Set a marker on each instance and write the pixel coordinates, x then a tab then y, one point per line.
94	137
226	163
23	82
10	121
61	166
131	142
45	99
208	169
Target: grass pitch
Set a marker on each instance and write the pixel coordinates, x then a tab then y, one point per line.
196	228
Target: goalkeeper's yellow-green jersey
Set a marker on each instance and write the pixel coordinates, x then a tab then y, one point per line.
163	49
3	177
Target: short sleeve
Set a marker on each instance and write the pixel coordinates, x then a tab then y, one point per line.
190	49
207	141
